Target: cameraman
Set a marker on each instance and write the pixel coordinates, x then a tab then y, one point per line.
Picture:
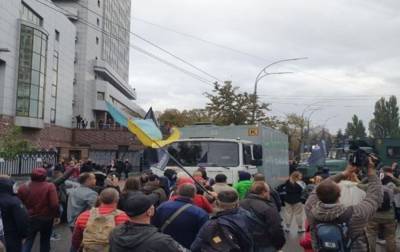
384	219
323	206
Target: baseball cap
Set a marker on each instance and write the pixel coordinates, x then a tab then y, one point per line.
139	204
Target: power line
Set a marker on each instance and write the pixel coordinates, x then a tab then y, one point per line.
232	49
150	43
93	26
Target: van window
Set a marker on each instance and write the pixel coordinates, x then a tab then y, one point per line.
213	153
247	154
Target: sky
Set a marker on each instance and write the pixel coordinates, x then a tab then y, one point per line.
352	50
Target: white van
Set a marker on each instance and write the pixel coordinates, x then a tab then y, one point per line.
227	156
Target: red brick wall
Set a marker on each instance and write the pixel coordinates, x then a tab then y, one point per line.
49	137
106	139
54	136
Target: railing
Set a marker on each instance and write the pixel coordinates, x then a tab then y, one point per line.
25	162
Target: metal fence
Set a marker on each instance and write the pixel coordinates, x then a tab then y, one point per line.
24	163
104	157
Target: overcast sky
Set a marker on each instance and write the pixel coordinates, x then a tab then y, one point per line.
352	48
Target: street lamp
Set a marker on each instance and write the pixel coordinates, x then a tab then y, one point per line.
263	73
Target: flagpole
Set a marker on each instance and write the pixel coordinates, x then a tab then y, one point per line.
181	167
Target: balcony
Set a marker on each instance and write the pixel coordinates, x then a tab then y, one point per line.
106	72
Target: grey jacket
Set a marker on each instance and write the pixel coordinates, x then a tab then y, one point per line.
362	212
79	200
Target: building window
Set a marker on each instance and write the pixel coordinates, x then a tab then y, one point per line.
98	21
98	3
57	35
101	96
31	72
97	40
29	15
54	84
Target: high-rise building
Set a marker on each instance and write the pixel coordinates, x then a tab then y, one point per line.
102	57
62	60
36	65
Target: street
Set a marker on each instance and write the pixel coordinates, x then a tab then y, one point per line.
292	242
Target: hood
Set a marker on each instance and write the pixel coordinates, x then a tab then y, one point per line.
6	186
243	175
130	235
347	184
39	175
327	212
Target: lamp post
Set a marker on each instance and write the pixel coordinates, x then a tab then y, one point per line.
263	73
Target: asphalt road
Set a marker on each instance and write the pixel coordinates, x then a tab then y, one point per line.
292	243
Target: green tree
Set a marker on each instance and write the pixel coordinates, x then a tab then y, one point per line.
386	119
12	143
339	138
227	105
185	117
356	128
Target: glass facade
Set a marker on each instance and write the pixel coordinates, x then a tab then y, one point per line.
29	15
31	72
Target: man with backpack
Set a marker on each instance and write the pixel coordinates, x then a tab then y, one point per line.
335	227
267	232
384	218
180	218
93	227
228	230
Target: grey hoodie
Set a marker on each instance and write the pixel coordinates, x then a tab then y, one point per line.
131	237
362	212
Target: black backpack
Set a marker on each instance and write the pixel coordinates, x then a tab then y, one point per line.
221	239
334	236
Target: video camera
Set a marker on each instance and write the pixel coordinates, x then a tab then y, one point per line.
360	157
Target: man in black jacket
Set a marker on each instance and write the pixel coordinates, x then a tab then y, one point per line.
268	233
14	216
228	230
137	234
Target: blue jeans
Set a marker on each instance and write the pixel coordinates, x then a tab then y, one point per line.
41	225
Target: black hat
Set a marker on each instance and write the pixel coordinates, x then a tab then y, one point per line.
138	204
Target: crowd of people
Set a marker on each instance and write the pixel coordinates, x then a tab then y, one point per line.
181	212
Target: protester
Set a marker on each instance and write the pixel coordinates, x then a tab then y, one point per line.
153	186
221	184
82	198
13	217
180	218
228	230
274	195
323	206
93	227
268	233
244	184
171	175
293	208
350	193
131	189
128	168
41	200
209	181
198	200
76	170
137	234
384	219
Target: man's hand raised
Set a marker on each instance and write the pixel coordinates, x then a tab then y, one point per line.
350	170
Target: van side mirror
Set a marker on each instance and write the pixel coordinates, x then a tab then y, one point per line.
257	152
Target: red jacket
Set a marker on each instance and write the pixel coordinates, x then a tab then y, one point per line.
82	220
39	197
200	201
306	241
